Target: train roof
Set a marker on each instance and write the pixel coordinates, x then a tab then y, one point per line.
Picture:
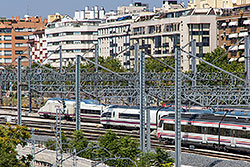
88	101
210	117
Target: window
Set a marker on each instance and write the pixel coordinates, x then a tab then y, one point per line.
129	116
7	52
7	60
106	114
7	45
86	111
21	37
19	52
7	38
5	30
21	44
169	127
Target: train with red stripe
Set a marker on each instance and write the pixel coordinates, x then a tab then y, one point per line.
89	109
128	117
223	132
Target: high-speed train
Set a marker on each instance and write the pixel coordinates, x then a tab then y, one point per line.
89	109
129	116
204	130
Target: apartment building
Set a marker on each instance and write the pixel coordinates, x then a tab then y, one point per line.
14	34
233	25
216	3
114	38
159	35
38	44
77	36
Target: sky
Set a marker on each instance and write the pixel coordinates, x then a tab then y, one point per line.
9	8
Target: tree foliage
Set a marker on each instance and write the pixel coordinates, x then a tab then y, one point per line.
10	138
220	59
156	66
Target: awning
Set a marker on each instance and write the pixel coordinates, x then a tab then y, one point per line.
246	22
224	24
243	34
241	59
233	23
242	47
234	48
233	59
235	35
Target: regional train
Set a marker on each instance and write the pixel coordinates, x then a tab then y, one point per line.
205	130
129	116
89	109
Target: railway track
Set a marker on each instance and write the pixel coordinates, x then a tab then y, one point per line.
92	131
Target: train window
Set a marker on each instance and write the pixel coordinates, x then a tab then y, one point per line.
185	128
169	127
85	111
113	114
106	114
195	129
129	116
160	124
225	132
248	135
241	133
213	131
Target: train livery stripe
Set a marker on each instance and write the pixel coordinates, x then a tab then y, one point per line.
208	138
125	122
201	122
88	116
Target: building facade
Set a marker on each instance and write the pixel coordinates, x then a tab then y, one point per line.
38	46
232	26
160	35
76	36
216	3
14	35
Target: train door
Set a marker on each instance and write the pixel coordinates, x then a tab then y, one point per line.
233	134
204	134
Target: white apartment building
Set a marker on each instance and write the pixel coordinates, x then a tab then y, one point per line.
159	35
77	36
114	37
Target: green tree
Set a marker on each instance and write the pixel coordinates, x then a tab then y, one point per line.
124	147
156	66
220	59
9	139
159	158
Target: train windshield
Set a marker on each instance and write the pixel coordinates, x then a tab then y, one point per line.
106	114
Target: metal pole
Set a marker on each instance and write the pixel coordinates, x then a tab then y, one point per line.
74	158
148	127
136	58
177	107
96	58
57	142
19	109
247	63
33	147
61	58
29	87
194	69
60	133
142	102
78	119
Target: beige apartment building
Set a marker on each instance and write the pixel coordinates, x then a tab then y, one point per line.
14	35
216	3
160	35
233	25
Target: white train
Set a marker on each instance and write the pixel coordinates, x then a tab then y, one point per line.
204	130
90	109
129	116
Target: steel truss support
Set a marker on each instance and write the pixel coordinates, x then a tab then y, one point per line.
77	93
247	63
142	102
194	68
19	103
177	107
